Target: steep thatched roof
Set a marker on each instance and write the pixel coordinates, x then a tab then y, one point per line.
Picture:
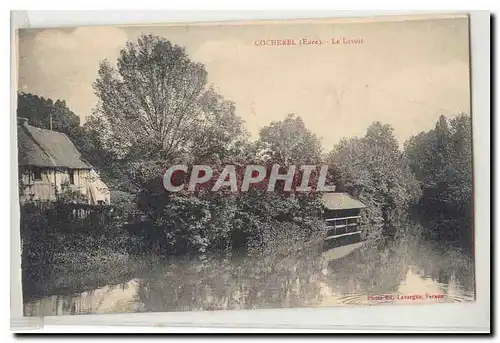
341	201
45	148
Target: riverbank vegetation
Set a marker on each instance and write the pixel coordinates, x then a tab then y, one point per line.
155	109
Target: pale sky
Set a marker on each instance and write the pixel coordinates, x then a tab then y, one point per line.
405	73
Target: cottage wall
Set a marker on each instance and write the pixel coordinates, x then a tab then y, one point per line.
44	189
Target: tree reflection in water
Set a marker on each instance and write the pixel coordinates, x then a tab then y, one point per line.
265	281
216	283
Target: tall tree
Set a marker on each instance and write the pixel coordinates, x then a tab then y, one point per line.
442	161
374	169
220	136
155	108
290	142
155	103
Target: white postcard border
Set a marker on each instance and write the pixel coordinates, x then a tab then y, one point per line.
444	317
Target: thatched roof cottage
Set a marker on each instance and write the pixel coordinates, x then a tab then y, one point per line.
49	163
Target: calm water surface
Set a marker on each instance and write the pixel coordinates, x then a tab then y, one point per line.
303	280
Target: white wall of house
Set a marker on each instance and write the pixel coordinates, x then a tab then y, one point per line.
41	183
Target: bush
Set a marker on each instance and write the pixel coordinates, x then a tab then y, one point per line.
181	224
57	237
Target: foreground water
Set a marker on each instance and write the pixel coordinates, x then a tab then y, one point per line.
401	274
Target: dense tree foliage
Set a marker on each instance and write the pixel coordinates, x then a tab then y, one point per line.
373	169
156	109
290	142
156	105
226	220
46	113
441	160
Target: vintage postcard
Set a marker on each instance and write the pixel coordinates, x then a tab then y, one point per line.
246	165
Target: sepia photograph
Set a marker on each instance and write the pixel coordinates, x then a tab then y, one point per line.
245	165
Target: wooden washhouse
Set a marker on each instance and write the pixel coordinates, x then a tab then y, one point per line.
342	220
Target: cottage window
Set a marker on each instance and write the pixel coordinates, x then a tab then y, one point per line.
71	177
37	174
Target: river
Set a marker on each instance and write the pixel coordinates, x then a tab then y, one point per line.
400	274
